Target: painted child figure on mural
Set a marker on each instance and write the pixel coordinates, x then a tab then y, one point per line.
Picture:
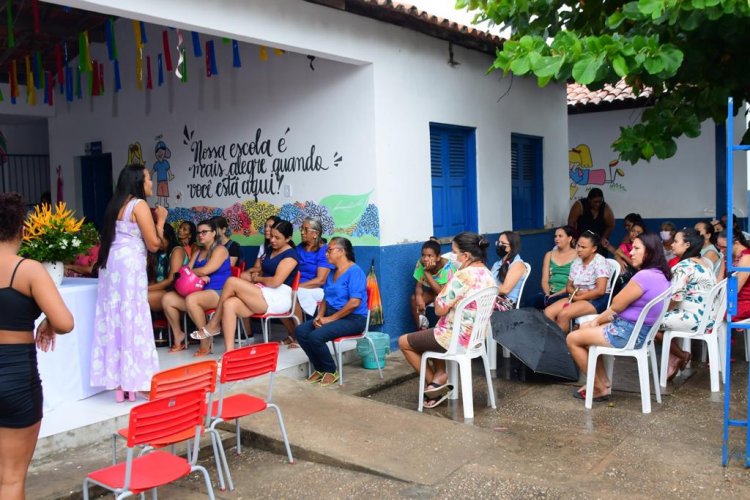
163	172
582	172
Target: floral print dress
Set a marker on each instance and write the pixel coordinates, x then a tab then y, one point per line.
124	354
692	282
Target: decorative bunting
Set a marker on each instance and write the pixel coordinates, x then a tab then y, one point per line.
2	98
196	44
30	91
181	56
211	67
9	10
94	80
225	40
118	84
137	35
109	33
167	50
144	40
14	80
279	52
236	63
79	90
263	53
38	70
84	56
45	99
59	67
35	13
68	84
184	67
159	70
149	82
50	87
101	79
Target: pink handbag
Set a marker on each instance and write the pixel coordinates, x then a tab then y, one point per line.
188	282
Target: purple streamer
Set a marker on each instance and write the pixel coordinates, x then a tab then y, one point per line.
68	84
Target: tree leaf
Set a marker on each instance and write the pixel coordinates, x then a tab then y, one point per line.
584	71
620	66
548	66
654	65
520	66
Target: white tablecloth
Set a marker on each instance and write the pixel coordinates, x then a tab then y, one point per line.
65	371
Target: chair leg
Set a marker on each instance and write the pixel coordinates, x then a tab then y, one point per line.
666	340
644	383
452	368
423	367
490	389
206	478
491	348
237	433
265	324
86	489
590	375
747	344
712	346
464	366
375	352
216	444
283	431
654	371
721	333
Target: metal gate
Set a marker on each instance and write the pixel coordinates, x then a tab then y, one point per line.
28	175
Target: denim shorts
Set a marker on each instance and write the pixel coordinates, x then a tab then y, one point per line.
600	304
619	331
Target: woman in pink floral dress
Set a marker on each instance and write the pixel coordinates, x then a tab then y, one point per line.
123	356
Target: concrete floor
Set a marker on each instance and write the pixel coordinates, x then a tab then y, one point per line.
539	442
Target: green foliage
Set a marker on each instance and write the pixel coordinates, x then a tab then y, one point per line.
59	244
693	54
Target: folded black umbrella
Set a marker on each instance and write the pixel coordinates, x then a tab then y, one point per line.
535	340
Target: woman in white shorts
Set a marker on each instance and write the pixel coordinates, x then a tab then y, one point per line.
251	293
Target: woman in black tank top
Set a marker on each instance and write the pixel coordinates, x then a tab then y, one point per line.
593	214
26	291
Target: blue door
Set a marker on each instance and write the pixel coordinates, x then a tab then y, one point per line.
527	183
452	159
96	186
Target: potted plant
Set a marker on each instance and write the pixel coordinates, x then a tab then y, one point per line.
54	237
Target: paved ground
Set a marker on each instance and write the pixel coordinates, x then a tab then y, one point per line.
539	442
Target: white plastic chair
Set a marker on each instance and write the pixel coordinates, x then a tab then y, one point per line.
338	349
491	344
614	273
485	299
641	354
716	307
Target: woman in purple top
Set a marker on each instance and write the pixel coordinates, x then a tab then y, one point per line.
614	326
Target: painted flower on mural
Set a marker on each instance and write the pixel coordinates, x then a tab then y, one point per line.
369	223
179	215
51	236
203	213
259	211
293	213
238	220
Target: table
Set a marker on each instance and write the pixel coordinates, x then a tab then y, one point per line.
65	371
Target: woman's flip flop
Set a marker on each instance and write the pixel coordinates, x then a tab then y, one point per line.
203	334
435	390
432	403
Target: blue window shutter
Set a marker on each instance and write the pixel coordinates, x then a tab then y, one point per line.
527	182
453	185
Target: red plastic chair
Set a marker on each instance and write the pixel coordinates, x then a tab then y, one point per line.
243	364
267	317
337	350
156	421
167	383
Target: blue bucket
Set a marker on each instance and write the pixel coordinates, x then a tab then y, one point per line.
382	343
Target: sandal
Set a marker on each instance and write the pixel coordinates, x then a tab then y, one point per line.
325	382
177	348
315	377
203	334
435	390
200	352
432	403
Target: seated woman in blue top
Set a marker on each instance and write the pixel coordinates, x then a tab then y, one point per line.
211	263
508	271
343	313
313	269
615	325
252	293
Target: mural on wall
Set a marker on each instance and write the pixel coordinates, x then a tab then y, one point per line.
135	154
163	172
351	216
243	172
583	174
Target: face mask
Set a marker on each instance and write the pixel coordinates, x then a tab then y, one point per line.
665	235
501	251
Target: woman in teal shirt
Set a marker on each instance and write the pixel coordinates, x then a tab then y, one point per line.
556	268
344	311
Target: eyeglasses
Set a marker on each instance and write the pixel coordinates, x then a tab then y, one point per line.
330	249
204	231
307	230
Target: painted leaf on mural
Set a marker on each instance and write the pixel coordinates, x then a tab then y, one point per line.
346	209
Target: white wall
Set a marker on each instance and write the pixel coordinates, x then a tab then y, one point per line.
681	186
401	83
28	137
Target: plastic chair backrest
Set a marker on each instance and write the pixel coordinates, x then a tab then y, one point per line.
249	362
295	283
162	418
524	279
195	376
662	301
717	306
614	273
238	270
485	300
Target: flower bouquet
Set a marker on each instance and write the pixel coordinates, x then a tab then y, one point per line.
56	237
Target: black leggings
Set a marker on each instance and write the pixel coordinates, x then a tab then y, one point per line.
20	386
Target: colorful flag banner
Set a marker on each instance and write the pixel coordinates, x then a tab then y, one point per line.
149	82
109	34
50	87
144	39
263	53
101	79
38	70
30	91
236	62
211	59
68	84
167	50
278	52
118	84
35	13
159	70
196	44
59	67
79	90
